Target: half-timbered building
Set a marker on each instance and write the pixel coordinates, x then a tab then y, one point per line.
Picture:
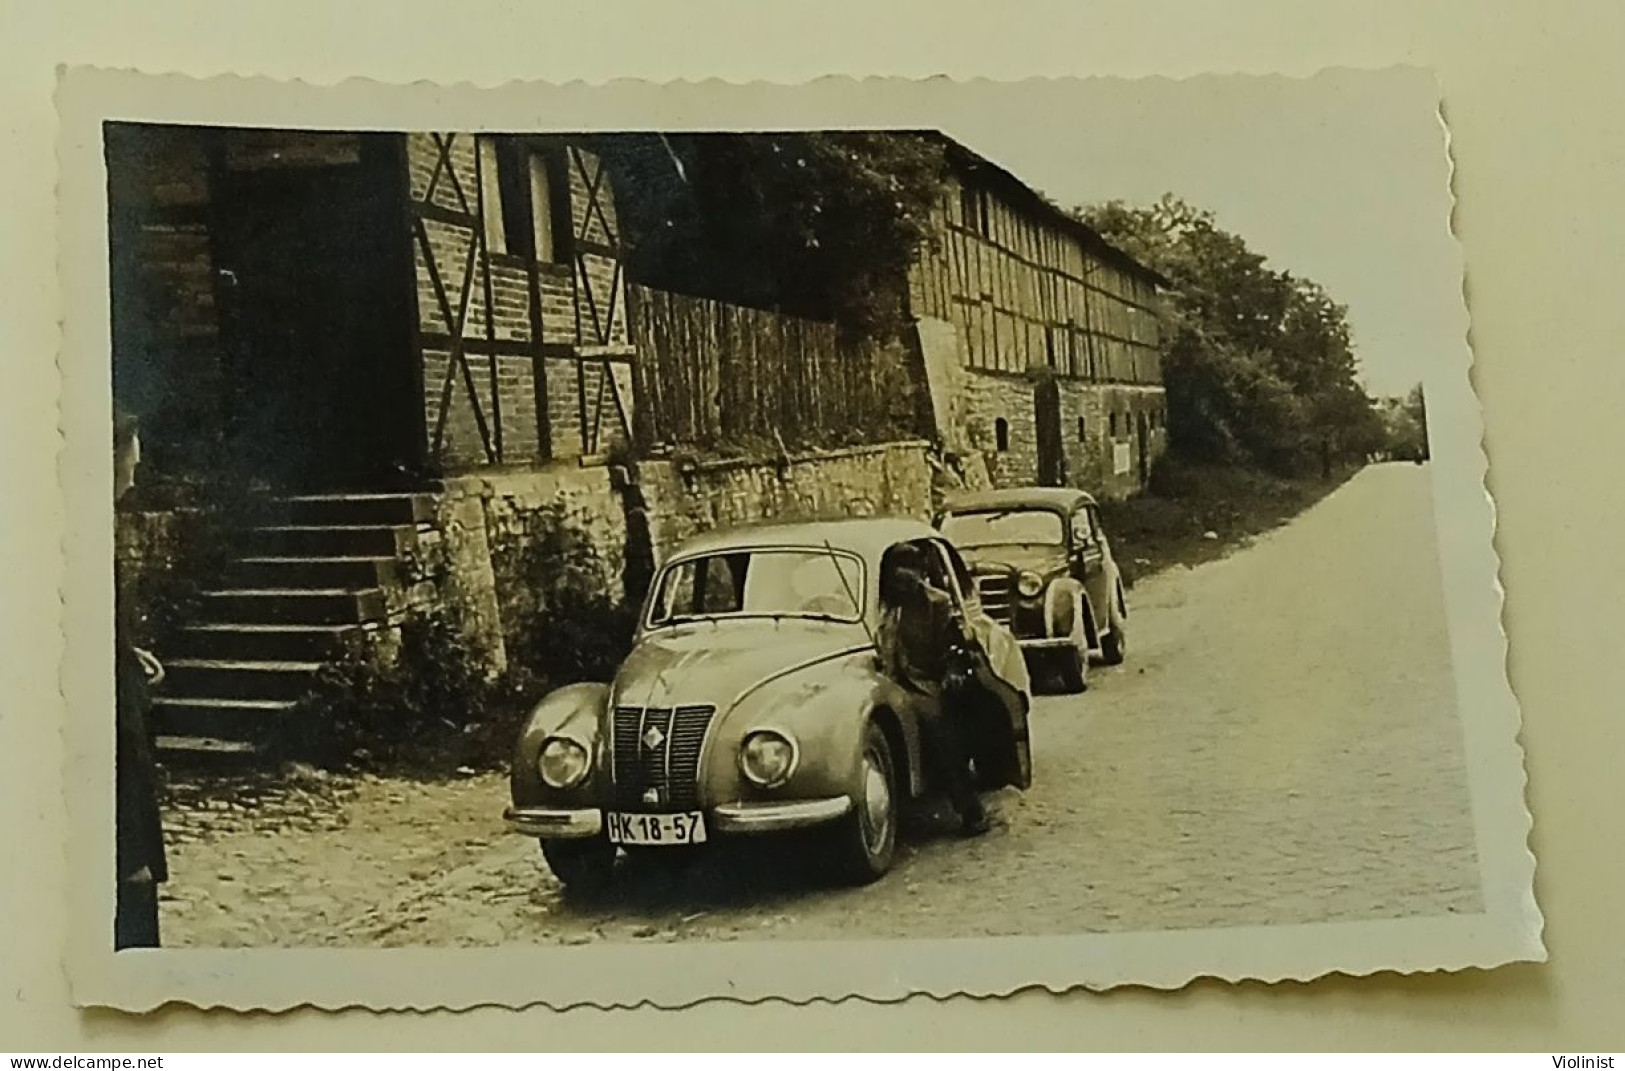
365	309
1047	337
414	347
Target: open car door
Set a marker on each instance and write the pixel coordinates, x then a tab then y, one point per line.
994	688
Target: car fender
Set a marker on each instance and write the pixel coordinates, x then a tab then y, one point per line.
823	708
1061	602
575	711
1115	585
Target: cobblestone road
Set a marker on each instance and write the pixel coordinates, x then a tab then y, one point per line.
1280	747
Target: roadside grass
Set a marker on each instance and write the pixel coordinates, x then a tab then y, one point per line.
1170	524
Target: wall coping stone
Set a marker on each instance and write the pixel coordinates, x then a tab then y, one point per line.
722	464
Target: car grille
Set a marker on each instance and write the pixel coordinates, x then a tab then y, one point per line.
657	756
996	595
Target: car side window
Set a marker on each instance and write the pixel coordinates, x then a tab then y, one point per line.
957	569
1083	529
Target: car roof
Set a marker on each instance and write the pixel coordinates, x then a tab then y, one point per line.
1063	499
868	537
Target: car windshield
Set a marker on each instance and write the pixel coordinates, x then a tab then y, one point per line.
985	528
775	582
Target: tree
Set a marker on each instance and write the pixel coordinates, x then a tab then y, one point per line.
823	224
1407	425
1260	366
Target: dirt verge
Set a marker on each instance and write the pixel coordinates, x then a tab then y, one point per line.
1195	513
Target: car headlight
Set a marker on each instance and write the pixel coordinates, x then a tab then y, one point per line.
562	762
767	758
1029	584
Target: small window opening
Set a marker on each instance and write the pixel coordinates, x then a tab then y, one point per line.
968	207
1083	430
496	235
517	196
541	200
1001	434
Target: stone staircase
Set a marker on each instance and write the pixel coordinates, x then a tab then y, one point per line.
326	567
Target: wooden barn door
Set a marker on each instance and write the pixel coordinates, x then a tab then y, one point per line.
1143	442
315	316
1047	427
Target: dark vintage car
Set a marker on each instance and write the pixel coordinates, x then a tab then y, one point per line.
753	702
1043	567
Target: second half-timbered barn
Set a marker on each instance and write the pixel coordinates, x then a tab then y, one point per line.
1043	340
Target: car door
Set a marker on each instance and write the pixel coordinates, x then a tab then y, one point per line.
1089	562
996	708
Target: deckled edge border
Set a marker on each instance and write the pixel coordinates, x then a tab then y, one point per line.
84	97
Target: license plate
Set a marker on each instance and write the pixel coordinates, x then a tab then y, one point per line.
684	827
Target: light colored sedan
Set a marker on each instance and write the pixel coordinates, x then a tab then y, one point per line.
753	703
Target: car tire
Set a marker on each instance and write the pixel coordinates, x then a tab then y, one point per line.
584	866
865	841
1072	670
1114	645
1072	663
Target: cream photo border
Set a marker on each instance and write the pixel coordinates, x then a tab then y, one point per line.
676	975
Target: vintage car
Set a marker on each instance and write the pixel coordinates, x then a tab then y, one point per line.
753	702
1044	568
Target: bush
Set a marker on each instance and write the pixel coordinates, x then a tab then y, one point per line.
416	701
571	628
423	702
196	524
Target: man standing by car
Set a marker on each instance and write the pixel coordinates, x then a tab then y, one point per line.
917	630
140	860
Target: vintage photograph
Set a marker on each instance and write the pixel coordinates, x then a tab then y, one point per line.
1000	521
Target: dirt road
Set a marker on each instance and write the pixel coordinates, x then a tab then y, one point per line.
1282	746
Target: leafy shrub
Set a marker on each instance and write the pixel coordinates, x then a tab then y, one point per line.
423	701
412	700
192	527
571	628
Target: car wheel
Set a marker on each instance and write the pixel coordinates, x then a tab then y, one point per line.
1114	645
583	865
1072	670
1072	663
866	839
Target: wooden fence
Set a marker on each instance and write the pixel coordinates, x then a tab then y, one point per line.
710	373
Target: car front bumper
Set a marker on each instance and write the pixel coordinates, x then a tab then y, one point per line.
739	817
554	822
776	817
1046	643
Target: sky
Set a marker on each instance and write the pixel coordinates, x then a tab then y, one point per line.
1343	179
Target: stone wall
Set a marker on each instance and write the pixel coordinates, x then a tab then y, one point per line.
149	547
891	479
165	327
473	556
1097	422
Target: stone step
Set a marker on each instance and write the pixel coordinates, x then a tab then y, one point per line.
254	721
328	540
273	571
249	641
239	678
306	606
177	750
382	508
